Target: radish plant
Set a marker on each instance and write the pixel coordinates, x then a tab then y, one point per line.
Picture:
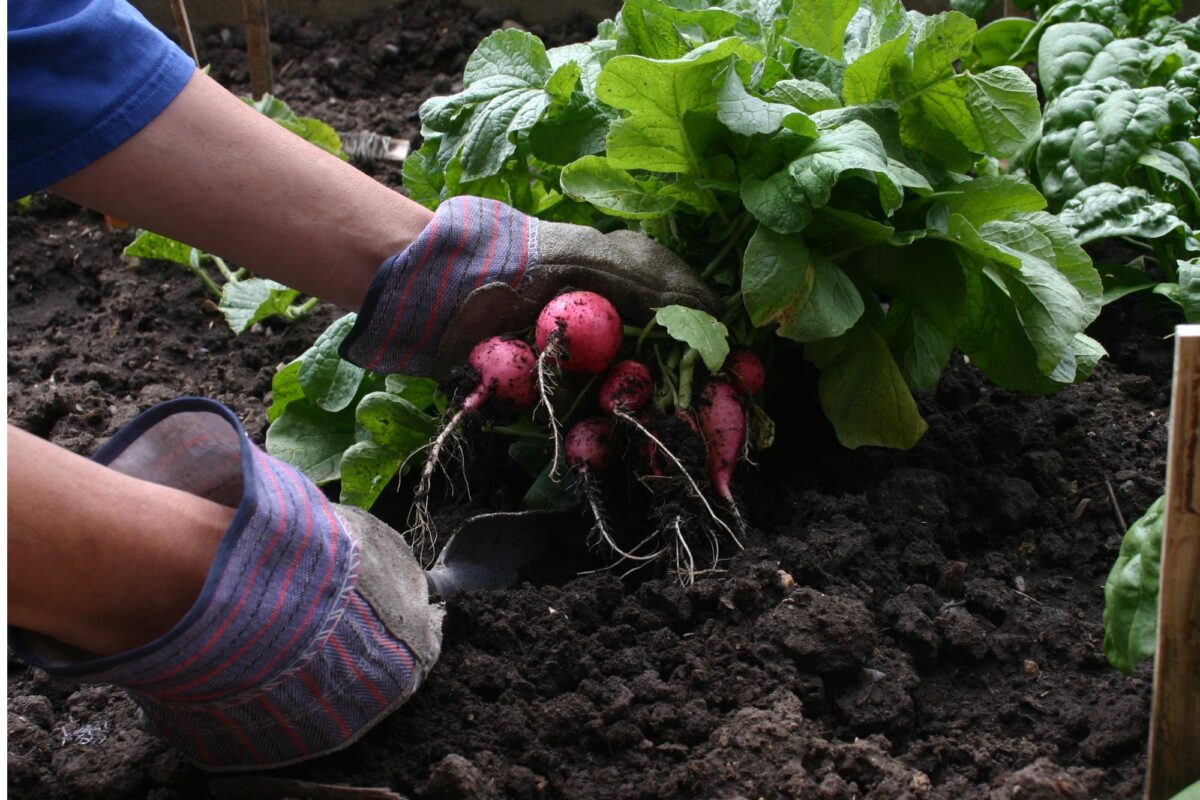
830	168
834	169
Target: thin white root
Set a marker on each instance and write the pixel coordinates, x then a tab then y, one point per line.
422	533
601	527
547	383
622	414
682	551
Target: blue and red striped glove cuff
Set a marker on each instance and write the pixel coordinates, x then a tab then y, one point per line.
280	658
471	241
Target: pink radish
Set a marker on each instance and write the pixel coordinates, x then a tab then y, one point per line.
585	326
589	445
505	366
746	372
506	380
723	423
628	386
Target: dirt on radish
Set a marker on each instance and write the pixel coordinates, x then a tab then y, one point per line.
919	624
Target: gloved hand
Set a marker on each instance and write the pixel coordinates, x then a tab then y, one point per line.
482	268
313	624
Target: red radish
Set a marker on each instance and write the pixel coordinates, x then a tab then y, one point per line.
505	366
587	328
627	386
723	423
589	445
746	372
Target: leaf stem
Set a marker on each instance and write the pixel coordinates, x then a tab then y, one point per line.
742	224
206	279
295	312
687	369
224	269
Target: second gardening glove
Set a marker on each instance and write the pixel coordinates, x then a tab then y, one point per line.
313	624
482	268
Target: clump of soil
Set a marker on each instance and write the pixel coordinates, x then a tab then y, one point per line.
922	624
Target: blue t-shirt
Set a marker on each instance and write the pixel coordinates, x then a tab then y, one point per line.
83	76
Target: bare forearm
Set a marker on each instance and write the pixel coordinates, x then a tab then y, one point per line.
98	559
212	172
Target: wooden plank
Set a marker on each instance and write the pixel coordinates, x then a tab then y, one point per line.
1174	761
258	47
179	11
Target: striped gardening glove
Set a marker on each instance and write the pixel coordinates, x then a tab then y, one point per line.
482	268
313	624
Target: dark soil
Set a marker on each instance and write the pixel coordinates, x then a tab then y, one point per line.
924	624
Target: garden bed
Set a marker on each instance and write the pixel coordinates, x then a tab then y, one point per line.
901	624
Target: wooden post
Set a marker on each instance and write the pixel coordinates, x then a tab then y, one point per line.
179	10
258	47
1174	761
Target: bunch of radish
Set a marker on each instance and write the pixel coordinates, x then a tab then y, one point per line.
578	337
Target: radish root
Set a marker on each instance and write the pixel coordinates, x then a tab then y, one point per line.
422	533
547	377
687	476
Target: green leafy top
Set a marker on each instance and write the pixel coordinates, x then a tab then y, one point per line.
832	141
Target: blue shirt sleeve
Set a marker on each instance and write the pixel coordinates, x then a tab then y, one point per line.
83	77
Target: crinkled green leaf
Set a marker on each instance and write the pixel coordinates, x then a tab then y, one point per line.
1131	592
863	392
252	300
1106	211
1075	53
504	92
329	381
312	439
697	329
1096	132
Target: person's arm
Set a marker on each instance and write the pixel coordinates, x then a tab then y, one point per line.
214	173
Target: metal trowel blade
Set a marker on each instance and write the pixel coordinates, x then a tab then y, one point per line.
489	550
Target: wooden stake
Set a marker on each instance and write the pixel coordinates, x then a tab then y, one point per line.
258	47
1174	761
185	30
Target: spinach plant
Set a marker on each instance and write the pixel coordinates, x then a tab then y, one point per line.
827	165
244	299
1118	153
